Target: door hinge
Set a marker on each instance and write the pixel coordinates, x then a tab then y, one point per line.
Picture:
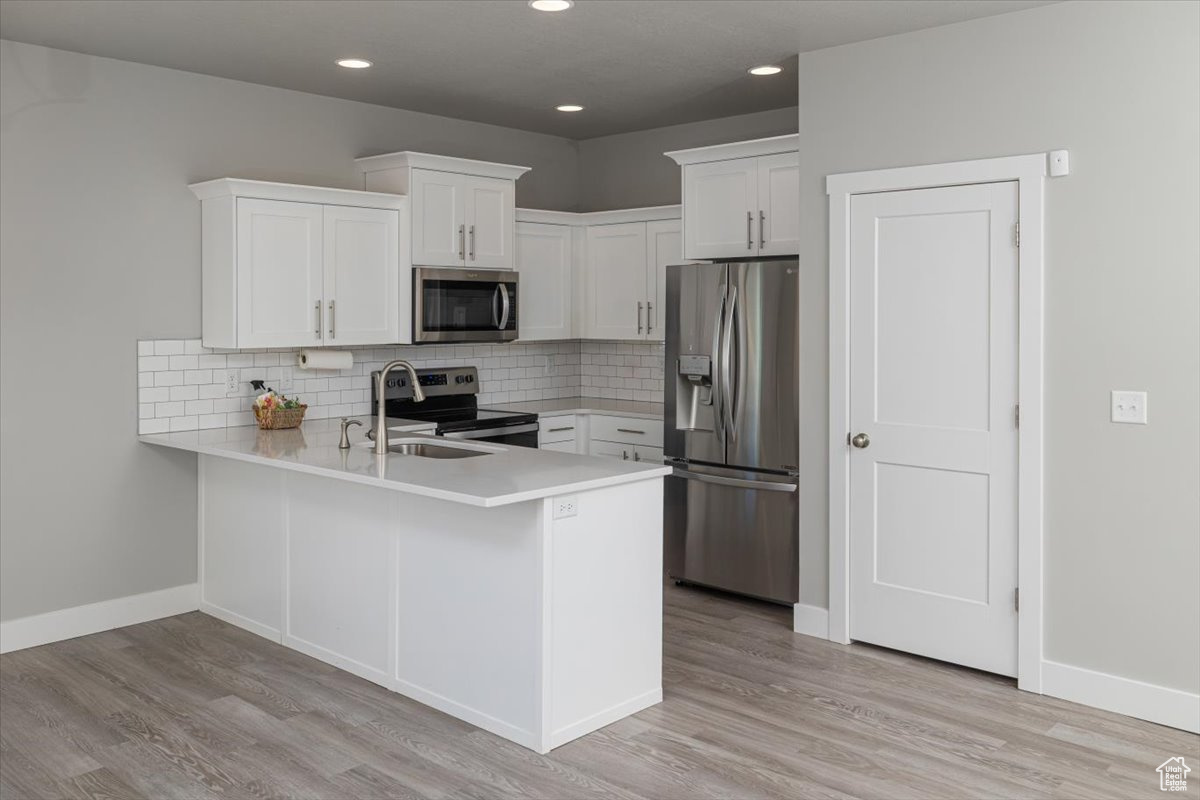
1017	234
1017	414
1017	599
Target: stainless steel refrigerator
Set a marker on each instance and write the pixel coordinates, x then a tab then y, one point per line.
731	517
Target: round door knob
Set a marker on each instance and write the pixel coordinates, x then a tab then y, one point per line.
861	440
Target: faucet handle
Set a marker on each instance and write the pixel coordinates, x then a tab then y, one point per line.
344	444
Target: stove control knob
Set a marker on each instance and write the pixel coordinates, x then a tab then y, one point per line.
459	379
470	379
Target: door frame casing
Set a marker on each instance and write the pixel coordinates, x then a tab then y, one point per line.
1029	171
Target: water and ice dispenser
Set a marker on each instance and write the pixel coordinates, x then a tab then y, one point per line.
694	393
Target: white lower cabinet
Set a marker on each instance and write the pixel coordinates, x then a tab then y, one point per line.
627	438
610	449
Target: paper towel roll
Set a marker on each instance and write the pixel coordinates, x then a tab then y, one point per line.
326	359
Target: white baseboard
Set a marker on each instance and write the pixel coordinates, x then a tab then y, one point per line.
67	623
1172	707
811	620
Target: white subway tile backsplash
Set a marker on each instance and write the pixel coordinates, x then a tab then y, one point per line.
182	385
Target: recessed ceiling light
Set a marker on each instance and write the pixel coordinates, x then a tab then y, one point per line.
551	5
353	63
766	70
569	108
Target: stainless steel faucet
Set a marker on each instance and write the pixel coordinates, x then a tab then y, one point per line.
381	433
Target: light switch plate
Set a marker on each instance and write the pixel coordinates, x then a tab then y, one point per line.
1129	407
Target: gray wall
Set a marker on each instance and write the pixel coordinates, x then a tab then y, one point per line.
1119	85
100	247
629	170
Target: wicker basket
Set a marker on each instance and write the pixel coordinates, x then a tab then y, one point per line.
274	419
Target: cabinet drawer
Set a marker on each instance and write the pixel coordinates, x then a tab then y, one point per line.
556	429
565	446
628	430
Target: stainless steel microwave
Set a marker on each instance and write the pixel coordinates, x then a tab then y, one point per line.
464	305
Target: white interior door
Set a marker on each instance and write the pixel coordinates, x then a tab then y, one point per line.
544	263
439	223
721	199
664	246
933	388
279	256
616	281
362	266
489	215
779	204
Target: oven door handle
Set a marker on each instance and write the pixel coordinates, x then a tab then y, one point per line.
532	426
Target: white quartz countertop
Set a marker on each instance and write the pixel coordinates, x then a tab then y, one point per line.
585	405
505	475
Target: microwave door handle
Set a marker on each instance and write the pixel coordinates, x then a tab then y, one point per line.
495	307
506	307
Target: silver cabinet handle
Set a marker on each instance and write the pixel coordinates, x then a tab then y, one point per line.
636	457
471	252
318	331
749	230
461	240
631	430
559	430
639	316
624	455
762	229
332	322
649	308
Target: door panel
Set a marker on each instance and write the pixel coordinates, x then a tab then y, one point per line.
933	342
616	280
762	366
733	537
438	219
279	250
489	218
779	204
694	306
544	262
664	245
362	266
721	199
610	449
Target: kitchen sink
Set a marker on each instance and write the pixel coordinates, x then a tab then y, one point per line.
426	449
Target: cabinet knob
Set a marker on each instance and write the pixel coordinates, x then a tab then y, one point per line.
861	441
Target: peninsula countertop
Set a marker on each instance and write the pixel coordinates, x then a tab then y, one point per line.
585	405
504	476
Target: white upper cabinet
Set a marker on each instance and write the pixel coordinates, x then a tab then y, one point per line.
301	266
544	261
361	275
463	211
741	200
664	245
616	281
438	230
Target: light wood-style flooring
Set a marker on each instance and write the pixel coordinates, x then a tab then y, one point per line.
190	707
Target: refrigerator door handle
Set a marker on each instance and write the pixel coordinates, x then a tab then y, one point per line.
718	380
737	483
728	390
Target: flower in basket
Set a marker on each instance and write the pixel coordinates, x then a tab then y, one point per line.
274	411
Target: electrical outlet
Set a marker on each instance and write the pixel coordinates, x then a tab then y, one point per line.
566	506
232	386
1129	407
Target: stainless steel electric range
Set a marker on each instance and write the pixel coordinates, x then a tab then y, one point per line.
451	402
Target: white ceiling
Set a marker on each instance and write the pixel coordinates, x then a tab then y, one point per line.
634	64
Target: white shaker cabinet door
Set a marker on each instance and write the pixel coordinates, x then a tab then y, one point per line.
361	275
664	246
611	450
279	273
778	223
439	219
616	281
720	199
489	214
544	263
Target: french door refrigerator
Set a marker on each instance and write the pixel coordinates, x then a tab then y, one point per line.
731	515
